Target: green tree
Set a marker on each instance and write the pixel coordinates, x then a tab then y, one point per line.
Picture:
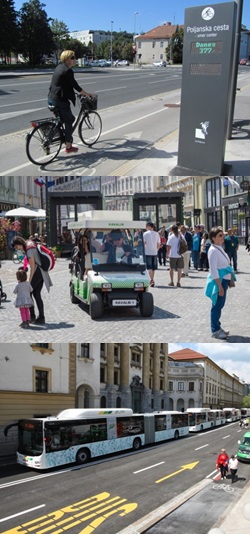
36	38
175	48
9	31
246	402
60	34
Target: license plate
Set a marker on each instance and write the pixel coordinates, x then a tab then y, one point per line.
124	302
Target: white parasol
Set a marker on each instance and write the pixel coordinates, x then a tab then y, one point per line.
23	212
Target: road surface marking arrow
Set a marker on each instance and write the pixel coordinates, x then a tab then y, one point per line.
183	468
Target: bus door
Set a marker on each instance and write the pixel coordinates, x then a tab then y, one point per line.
149	428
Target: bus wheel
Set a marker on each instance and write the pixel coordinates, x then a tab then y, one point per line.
96	305
83	456
176	435
201	427
73	298
136	444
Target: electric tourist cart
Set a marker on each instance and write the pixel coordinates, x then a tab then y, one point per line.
111	271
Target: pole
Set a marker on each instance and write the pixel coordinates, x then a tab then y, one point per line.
111	43
134	42
235	67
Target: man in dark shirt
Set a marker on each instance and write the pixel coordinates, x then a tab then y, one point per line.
61	92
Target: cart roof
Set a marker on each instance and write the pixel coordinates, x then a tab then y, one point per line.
106	220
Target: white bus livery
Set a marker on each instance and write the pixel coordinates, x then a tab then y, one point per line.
76	435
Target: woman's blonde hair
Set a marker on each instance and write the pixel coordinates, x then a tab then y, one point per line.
66	54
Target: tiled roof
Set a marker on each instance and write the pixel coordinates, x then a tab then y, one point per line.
187	354
160	32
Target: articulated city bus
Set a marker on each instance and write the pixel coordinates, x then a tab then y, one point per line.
231	414
76	435
219	417
245	412
200	419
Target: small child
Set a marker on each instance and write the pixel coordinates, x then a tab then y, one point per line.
23	300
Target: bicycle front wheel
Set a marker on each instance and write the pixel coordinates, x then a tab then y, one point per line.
90	128
16	259
43	143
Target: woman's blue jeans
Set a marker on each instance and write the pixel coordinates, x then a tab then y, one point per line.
217	308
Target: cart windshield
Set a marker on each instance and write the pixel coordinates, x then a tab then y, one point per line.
116	247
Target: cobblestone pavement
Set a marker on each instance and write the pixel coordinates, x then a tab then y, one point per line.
180	314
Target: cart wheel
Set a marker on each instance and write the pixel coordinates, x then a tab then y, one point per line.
96	305
73	298
146	304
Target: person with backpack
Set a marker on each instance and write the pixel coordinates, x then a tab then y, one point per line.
38	273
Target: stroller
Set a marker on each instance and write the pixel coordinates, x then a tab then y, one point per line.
3	295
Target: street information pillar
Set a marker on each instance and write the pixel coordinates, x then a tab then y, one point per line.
206	82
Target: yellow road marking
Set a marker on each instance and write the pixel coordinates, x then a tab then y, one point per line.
183	468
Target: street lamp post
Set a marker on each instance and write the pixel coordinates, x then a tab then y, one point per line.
134	43
111	43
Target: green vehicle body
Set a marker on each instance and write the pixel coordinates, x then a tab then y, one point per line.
112	284
243	453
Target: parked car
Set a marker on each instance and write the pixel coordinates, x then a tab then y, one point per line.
160	64
244	61
123	63
243	453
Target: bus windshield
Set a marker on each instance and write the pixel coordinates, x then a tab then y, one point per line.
30	437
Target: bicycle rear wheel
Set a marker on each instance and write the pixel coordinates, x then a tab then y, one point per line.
43	143
90	128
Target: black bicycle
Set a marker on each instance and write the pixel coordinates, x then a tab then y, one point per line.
44	141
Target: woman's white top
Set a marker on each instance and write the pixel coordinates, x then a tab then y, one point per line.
218	259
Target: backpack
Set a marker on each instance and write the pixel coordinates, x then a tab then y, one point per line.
45	254
182	246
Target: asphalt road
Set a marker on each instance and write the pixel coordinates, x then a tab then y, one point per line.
108	495
23	97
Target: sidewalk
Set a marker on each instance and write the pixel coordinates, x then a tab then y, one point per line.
235	519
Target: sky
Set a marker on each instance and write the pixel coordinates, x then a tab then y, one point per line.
97	15
234	358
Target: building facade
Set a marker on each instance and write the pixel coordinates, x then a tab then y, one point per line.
134	376
90	36
152	45
185	385
219	390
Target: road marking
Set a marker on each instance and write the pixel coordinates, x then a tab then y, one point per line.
112	89
13	114
93	510
145	468
22	103
202	447
183	468
225	437
21	513
213	472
